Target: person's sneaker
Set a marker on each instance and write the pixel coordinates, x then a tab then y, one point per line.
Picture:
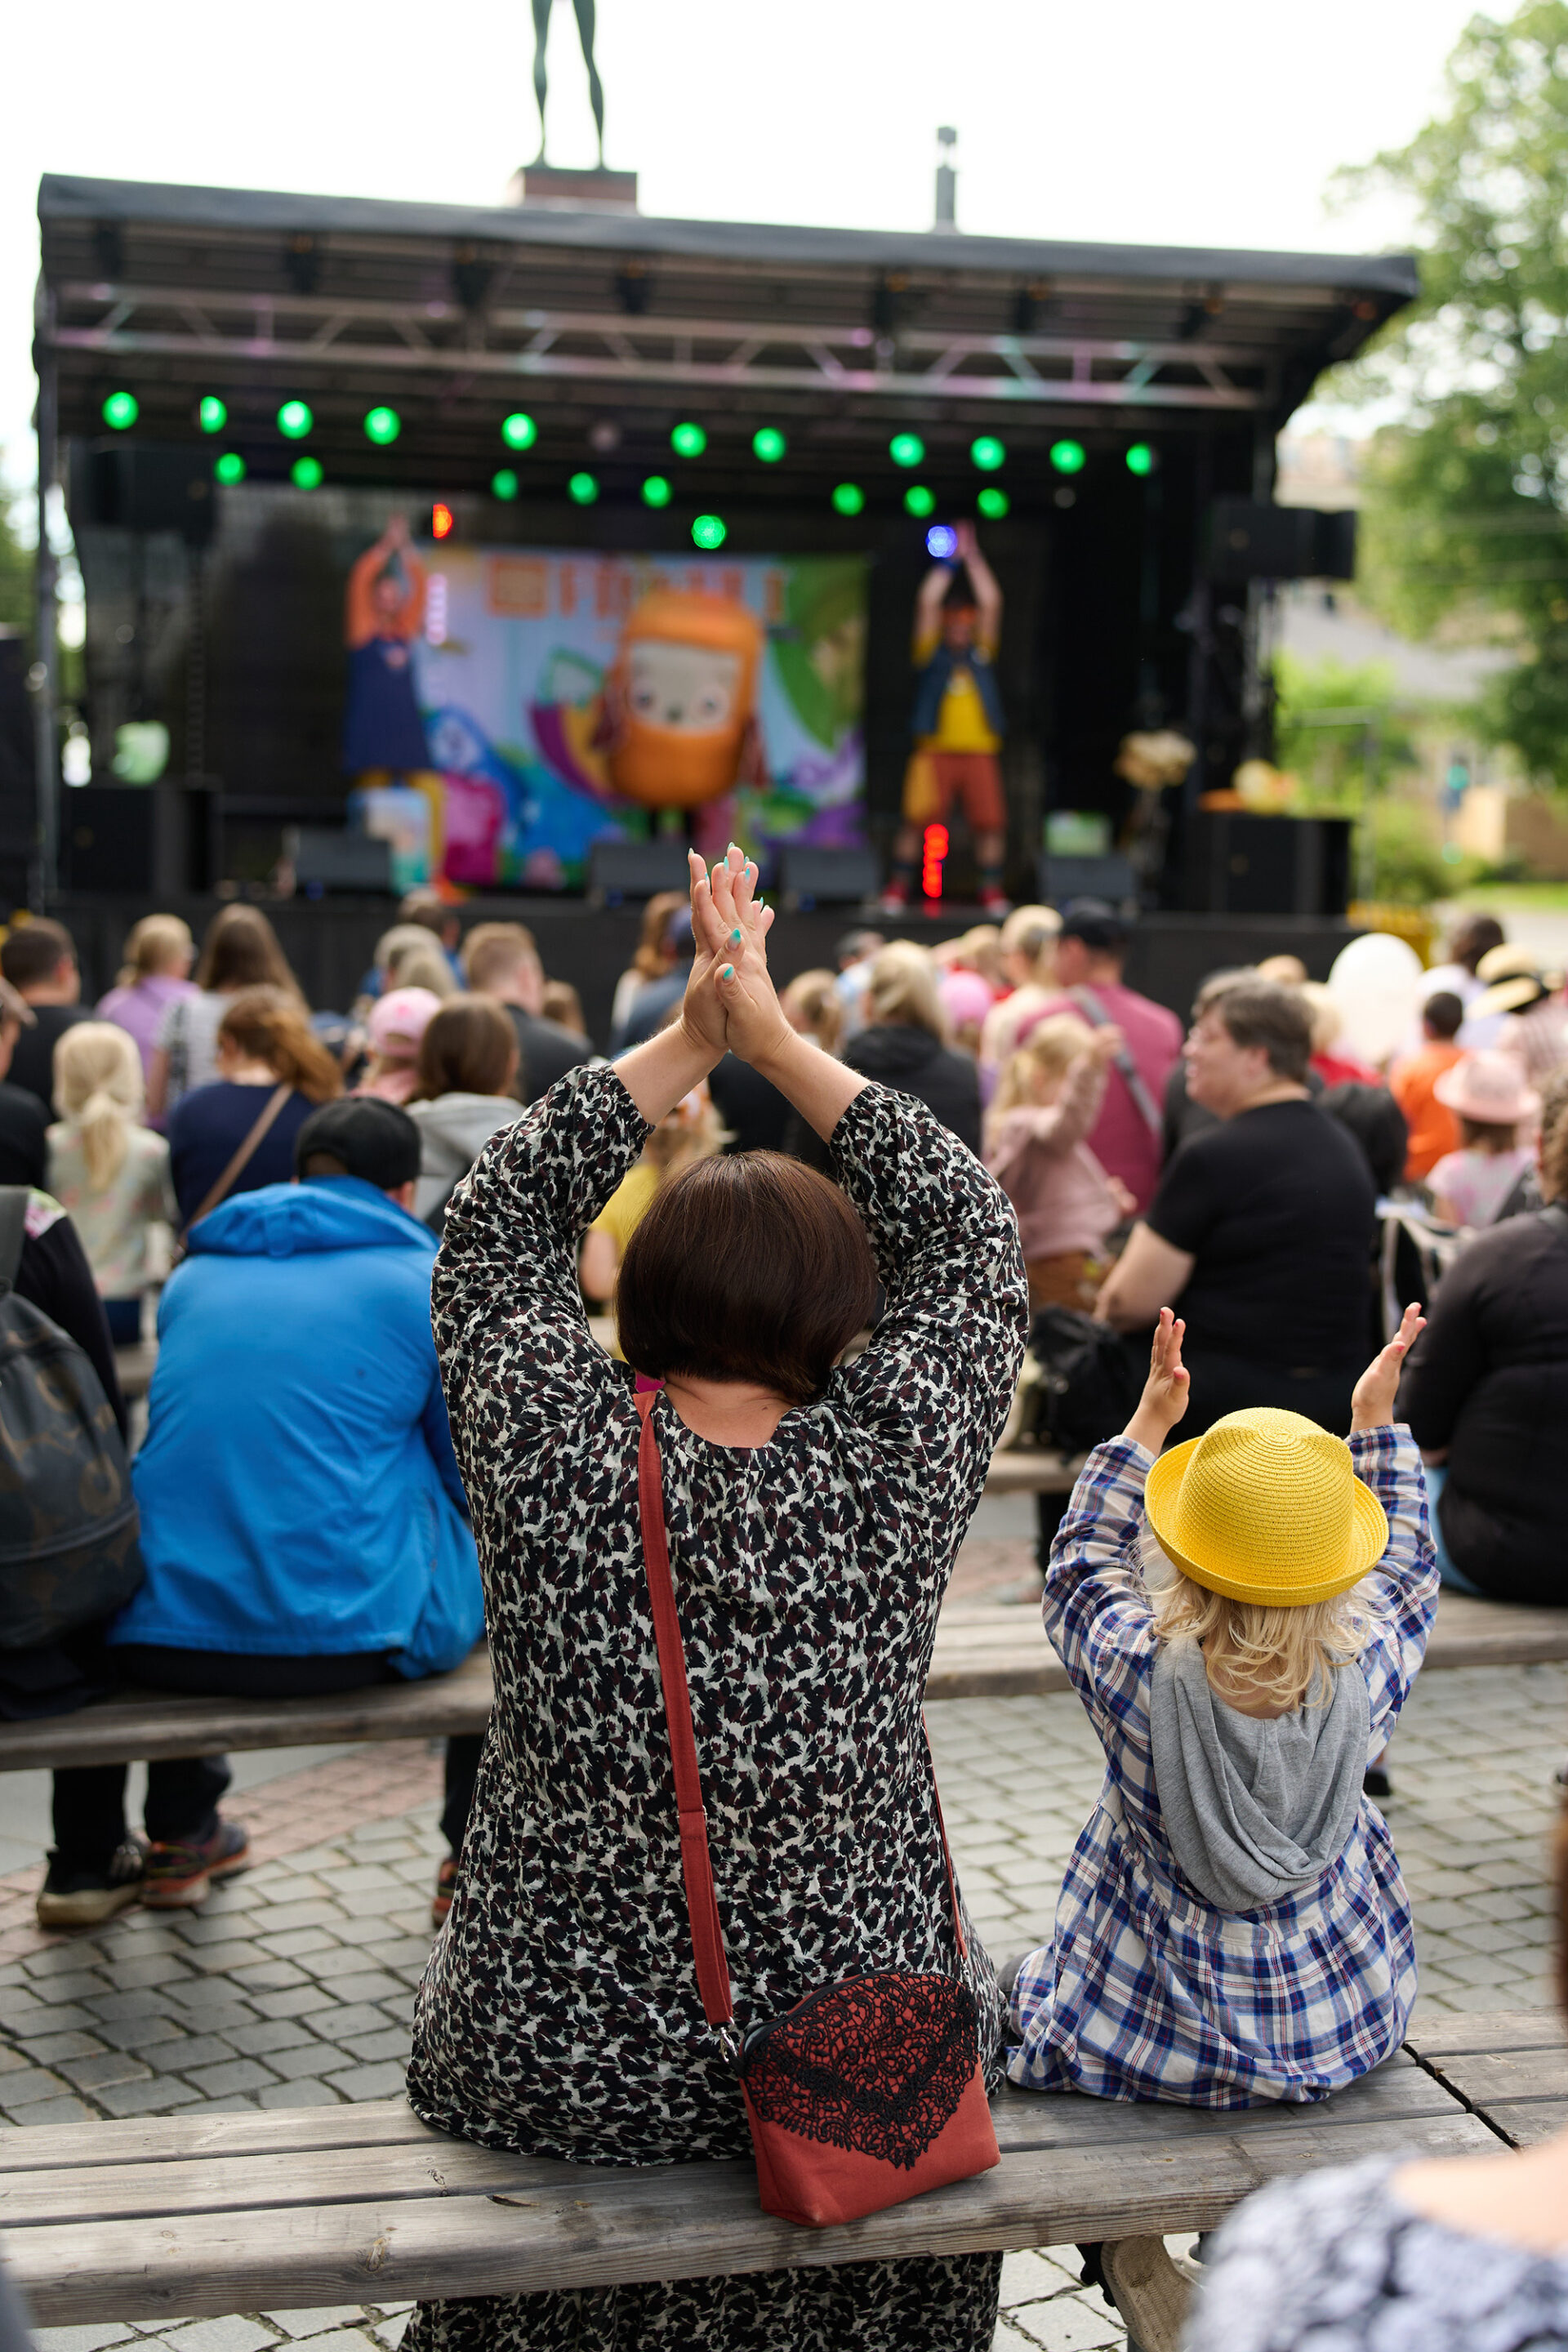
86	1898
1376	1783
180	1877
446	1888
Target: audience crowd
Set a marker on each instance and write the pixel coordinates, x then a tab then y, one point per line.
1241	1598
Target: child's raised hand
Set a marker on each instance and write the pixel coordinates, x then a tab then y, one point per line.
1164	1397
1371	1403
1105	1045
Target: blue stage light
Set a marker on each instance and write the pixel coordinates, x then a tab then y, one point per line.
942	542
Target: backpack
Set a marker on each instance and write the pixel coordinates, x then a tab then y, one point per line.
70	1548
1089	1379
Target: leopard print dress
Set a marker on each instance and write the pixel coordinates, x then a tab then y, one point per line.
559	2015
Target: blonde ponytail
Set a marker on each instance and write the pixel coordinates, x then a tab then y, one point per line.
97	1085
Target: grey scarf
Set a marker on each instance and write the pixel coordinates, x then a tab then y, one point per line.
1256	1811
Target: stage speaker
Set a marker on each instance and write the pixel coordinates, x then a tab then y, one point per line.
142	840
1250	539
827	877
1243	864
142	485
635	869
329	857
1110	877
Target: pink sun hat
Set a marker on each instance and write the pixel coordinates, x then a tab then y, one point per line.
965	997
399	1019
1490	1088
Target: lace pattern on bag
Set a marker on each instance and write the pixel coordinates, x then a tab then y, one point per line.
877	2067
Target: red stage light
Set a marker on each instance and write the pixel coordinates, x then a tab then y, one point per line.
934	850
440	520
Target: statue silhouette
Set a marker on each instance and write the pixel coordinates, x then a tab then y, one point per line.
584	11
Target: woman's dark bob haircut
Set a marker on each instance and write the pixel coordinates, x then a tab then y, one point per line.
754	1268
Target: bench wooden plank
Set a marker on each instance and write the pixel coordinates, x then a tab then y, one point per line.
1440	2036
602	2226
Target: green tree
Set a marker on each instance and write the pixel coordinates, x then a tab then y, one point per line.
16	575
1467	499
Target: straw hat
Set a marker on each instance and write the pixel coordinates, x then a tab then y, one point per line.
1515	977
1266	1507
1488	1088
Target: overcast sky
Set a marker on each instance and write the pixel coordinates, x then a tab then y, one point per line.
1216	122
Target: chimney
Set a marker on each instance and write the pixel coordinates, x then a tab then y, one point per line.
946	180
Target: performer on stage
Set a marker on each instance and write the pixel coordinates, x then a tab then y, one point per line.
383	735
958	722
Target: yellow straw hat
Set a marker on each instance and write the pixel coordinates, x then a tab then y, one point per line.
1266	1507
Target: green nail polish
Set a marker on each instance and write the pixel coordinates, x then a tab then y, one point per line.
734	936
729	972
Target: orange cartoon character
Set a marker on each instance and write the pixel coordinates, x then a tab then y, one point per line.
679	725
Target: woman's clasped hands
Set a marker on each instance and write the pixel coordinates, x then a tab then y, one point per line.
730	1003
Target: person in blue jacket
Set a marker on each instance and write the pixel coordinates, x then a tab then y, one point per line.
303	1523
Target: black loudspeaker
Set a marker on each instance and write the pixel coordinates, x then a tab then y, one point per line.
1248	539
1110	877
142	485
1241	865
827	877
636	869
148	840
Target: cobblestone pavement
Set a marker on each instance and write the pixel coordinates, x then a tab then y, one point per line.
293	1986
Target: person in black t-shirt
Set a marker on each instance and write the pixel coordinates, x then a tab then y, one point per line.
1260	1231
501	961
38	960
24	1146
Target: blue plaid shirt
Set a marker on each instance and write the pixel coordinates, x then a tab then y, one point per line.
1145	1991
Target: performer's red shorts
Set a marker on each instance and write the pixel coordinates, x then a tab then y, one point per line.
934	779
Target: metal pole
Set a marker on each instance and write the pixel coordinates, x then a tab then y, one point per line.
44	866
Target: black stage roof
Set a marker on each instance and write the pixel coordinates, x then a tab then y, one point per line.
455	316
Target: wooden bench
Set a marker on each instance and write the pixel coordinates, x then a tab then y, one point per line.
196	2215
983	1650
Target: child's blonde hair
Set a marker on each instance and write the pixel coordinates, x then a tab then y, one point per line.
1287	1657
98	1088
1049	1052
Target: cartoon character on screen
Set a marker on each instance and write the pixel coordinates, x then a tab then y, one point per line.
383	734
957	722
679	726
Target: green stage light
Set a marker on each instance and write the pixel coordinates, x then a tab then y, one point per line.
1067	456
656	491
504	485
230	466
1140	458
988	453
907	449
708	531
519	431
919	501
120	410
848	499
768	444
383	426
689	440
211	415
305	473
992	503
294	420
583	488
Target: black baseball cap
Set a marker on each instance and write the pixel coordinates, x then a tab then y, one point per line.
359	1136
1097	923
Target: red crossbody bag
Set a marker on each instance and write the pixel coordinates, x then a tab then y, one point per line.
868	2092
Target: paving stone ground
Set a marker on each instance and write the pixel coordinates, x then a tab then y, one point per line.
294	1985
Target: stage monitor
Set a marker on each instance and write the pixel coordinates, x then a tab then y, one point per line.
1250	539
568	699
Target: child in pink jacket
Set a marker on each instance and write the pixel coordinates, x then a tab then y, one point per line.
1049	1100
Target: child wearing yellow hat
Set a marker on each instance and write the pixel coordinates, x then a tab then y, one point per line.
1243	1617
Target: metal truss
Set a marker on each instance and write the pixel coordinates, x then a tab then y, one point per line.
304	332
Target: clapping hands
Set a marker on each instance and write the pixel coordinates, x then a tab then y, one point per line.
731	1003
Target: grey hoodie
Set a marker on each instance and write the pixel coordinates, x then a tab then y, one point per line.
1256	1811
453	1131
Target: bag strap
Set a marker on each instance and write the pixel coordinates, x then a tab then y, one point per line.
14	1200
220	1192
1126	1068
696	1860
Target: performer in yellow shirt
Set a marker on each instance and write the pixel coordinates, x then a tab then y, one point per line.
958	722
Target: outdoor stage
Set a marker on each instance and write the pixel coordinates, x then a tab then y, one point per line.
1087	403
